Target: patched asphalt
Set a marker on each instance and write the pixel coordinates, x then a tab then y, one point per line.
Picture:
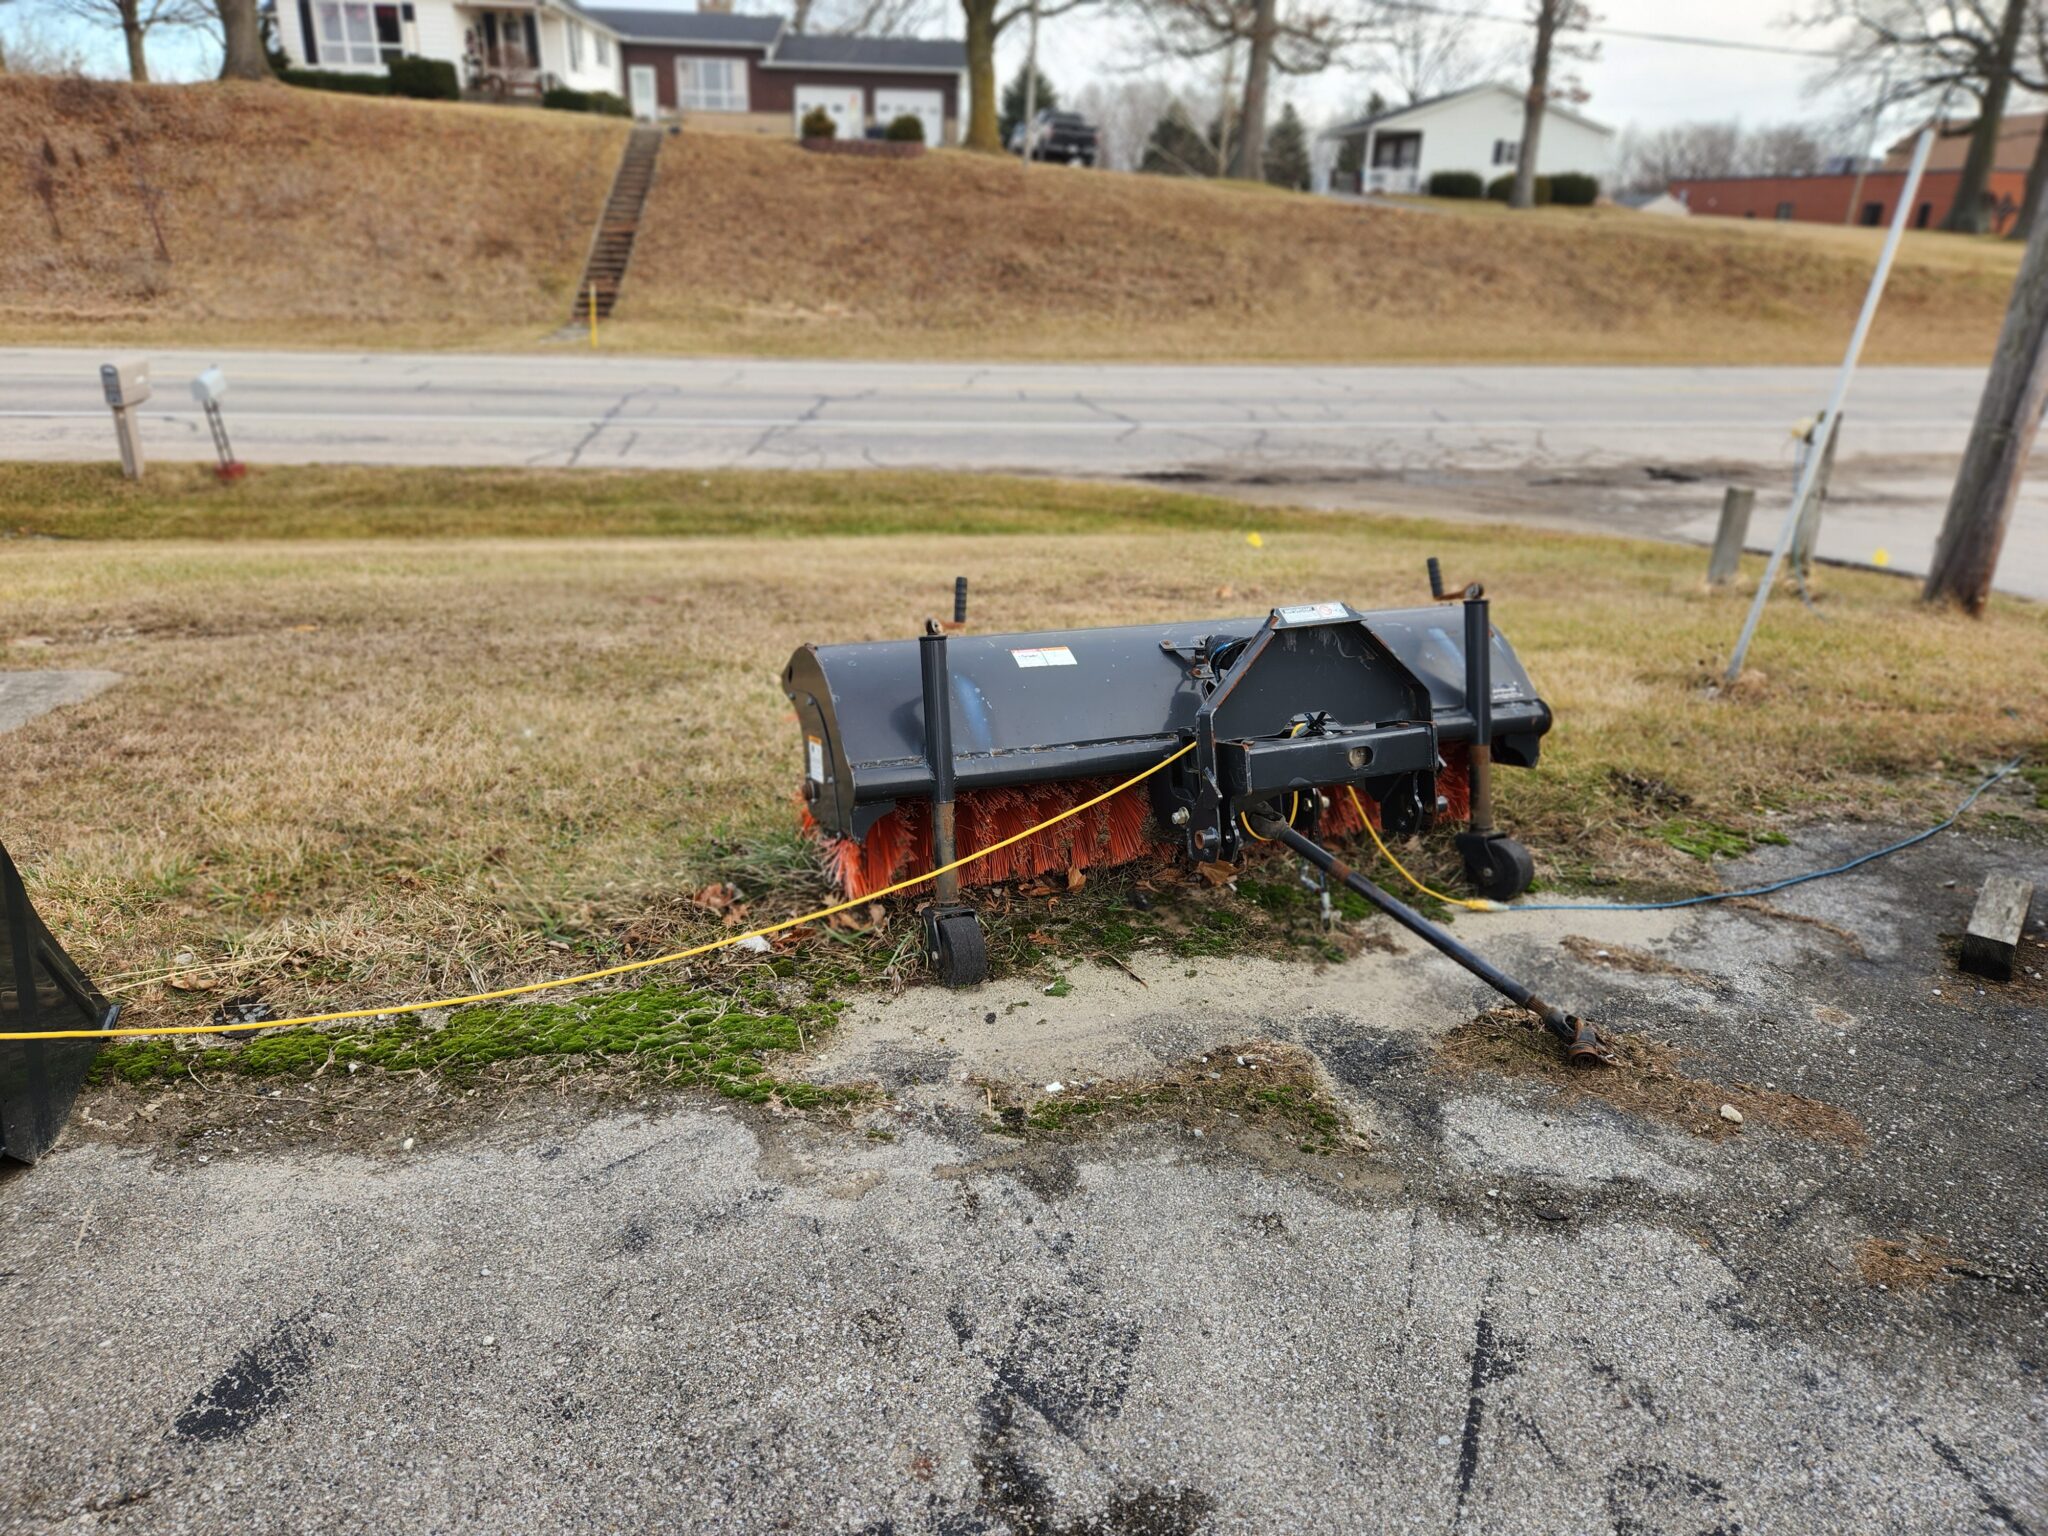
1519	1309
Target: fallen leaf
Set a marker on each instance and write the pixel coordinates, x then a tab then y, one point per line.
716	897
1075	879
1216	872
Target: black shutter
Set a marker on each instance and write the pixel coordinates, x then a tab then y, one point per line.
532	41
306	33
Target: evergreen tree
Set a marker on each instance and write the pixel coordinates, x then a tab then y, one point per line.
1287	151
1013	100
1176	148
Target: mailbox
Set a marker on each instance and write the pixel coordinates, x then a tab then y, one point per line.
126	381
209	387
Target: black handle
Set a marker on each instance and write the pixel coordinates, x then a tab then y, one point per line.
1436	578
959	599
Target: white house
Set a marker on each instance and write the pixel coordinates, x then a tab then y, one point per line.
507	48
1478	129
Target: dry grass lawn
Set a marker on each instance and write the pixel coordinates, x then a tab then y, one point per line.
755	246
289	217
379	767
301	218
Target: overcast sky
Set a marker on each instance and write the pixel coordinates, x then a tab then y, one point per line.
1633	82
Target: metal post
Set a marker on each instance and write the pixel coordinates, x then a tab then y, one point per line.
130	441
1031	82
1832	417
1479	703
938	752
1808	531
1737	503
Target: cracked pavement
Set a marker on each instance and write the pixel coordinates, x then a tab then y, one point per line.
1516	1307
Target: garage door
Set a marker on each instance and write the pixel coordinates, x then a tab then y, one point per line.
842	101
928	107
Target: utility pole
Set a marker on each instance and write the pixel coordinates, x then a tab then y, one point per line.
1031	81
2008	416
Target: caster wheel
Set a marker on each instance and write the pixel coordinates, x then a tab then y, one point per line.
1498	867
954	947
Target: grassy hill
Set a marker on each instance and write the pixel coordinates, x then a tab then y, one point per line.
297	218
289	217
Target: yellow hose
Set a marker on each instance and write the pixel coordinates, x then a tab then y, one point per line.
610	970
1469	903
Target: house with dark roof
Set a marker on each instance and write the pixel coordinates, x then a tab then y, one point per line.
1478	129
719	70
710	68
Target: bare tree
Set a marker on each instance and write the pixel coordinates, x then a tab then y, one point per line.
27	47
987	20
134	20
1124	112
862	18
1554	21
1421	54
242	54
1929	53
1294	37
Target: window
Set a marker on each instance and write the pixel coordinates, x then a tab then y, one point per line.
1924	213
1506	151
575	46
711	85
1873	214
604	47
352	32
1784	212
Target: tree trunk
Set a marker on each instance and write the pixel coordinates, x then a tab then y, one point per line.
982	131
1249	161
2008	415
1967	215
242	54
2037	182
132	29
1548	14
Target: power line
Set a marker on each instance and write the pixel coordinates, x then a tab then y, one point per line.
1682	39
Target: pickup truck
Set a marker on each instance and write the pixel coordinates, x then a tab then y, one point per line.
1063	136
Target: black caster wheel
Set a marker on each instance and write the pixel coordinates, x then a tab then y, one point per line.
1498	867
954	947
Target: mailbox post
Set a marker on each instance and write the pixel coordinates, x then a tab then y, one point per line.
126	382
209	388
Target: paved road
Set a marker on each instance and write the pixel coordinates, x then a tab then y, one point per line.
1518	1307
1349	431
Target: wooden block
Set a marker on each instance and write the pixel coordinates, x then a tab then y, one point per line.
1994	931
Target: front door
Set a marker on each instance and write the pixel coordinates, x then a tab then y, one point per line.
646	104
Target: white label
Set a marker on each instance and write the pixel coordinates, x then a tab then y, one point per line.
1313	613
816	752
1044	656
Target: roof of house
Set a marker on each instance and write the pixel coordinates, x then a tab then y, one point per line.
1393	115
2018	133
872	52
720	27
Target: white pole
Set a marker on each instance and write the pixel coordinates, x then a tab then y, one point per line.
1833	416
1031	82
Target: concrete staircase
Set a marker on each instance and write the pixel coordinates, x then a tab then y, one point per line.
616	227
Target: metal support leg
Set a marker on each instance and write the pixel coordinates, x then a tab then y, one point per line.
953	942
1497	865
1582	1042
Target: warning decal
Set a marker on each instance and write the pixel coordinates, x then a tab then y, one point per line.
1044	656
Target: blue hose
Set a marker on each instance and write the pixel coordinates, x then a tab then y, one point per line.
1777	885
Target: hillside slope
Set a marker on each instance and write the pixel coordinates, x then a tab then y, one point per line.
756	246
298	218
289	217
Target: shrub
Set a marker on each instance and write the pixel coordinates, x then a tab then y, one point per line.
907	129
425	79
1456	184
335	80
562	99
1501	186
1574	189
820	124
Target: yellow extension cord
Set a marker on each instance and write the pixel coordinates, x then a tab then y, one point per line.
1469	903
1479	905
610	970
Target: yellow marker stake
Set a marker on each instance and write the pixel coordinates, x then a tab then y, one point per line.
1881	558
1255	541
